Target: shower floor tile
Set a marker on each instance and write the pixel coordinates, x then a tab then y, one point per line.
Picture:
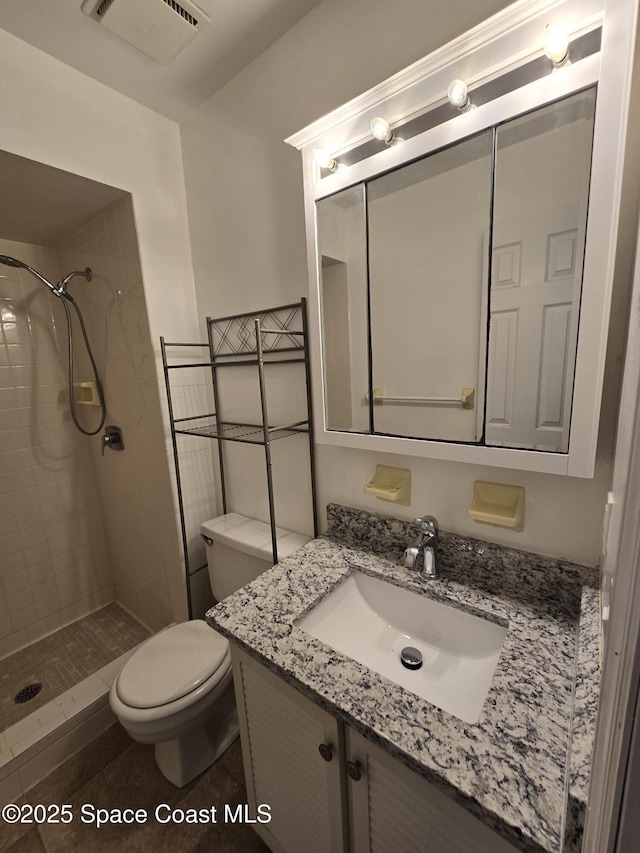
63	659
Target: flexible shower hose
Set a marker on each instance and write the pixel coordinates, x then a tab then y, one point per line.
64	298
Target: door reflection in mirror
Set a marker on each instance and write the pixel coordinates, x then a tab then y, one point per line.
540	214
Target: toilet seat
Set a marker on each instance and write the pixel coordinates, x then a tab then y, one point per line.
173	664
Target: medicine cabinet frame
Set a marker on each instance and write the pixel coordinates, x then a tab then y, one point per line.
499	46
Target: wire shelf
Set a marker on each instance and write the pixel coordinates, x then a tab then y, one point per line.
248	433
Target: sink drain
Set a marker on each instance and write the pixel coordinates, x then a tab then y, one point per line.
411	658
28	692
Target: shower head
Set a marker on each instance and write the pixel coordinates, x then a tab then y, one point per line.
12	262
60	288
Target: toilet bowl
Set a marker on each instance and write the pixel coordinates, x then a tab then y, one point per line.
176	690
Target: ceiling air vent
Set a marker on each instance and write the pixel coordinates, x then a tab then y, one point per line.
159	28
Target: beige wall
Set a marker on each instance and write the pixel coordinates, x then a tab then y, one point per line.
244	190
134	485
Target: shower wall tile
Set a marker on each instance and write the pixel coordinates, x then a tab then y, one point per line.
135	485
42	458
57	494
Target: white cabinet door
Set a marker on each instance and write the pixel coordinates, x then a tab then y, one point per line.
282	733
392	808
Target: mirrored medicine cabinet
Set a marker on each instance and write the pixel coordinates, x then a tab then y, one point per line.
450	287
461	277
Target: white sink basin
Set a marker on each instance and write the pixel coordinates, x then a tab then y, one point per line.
372	621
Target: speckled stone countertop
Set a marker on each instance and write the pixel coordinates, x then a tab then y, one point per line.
523	768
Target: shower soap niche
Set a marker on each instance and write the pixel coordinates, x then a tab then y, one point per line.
86	393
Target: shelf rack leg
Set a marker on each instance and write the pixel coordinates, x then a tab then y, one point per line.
312	446
176	459
267	439
216	409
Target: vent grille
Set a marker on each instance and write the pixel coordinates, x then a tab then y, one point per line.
176	8
102	8
158	28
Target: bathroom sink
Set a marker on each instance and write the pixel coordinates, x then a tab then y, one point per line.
372	621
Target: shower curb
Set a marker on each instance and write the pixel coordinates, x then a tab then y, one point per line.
33	748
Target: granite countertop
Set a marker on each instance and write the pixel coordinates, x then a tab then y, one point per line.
523	768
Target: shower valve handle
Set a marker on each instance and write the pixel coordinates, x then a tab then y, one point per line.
112	438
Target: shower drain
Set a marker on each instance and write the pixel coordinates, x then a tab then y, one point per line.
28	692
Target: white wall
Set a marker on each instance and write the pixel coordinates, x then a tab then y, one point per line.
244	190
55	115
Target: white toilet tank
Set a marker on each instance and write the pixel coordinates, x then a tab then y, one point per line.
239	549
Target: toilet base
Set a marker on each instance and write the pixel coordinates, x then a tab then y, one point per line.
182	759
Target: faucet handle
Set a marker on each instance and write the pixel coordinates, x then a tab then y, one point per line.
112	438
429	524
410	557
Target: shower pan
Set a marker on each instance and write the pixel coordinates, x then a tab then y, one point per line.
60	290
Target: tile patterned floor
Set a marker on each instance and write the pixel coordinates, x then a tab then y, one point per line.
65	658
115	773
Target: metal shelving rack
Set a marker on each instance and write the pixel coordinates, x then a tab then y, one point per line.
259	338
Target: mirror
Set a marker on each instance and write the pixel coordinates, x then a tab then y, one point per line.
450	287
543	163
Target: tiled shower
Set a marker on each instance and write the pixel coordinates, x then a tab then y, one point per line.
80	529
55	564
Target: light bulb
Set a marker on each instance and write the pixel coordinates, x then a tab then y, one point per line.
381	130
324	159
557	46
458	95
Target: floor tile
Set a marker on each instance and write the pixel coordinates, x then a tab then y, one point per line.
29	843
231	760
63	782
115	773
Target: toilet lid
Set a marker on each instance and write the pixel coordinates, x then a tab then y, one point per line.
171	664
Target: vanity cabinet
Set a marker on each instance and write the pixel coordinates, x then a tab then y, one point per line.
329	789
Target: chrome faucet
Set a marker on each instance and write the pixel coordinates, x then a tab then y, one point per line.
423	555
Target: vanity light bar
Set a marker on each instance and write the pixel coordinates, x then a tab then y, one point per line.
381	130
557	46
581	47
458	96
324	160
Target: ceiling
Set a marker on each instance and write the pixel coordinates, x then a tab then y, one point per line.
240	30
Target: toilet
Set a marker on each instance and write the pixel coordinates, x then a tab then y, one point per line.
176	690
